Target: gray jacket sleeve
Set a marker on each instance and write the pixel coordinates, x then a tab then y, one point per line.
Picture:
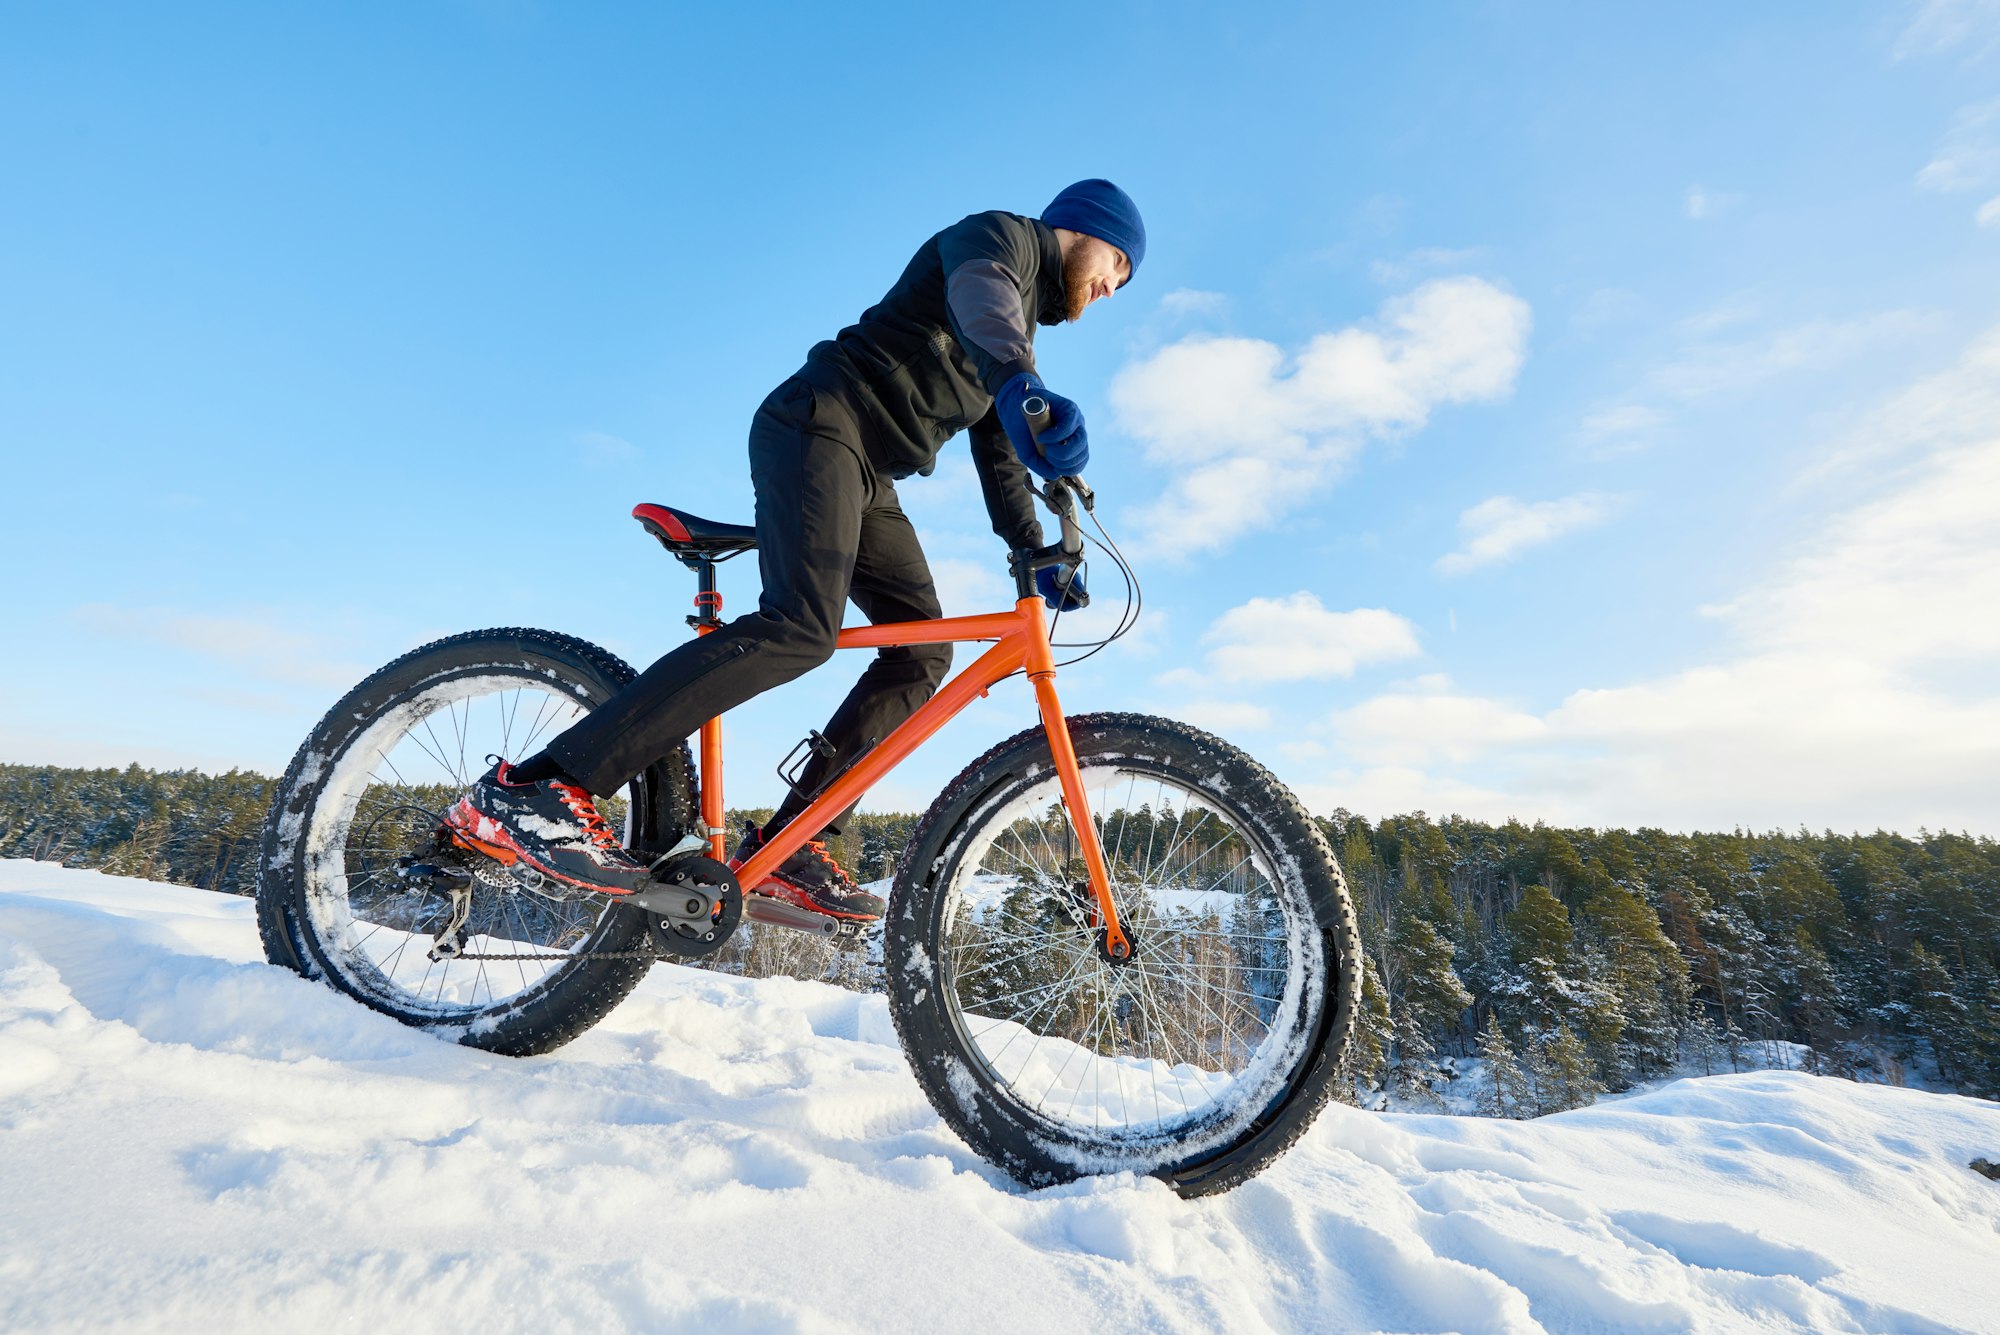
1004	480
991	262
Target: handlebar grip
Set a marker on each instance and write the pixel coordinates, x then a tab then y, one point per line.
1036	409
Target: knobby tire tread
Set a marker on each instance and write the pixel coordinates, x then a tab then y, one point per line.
1315	1082
593	988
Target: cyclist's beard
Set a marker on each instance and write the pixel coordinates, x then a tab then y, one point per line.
1076	291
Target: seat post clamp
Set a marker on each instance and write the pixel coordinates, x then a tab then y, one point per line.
707	601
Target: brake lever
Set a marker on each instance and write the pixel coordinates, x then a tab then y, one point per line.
1035	409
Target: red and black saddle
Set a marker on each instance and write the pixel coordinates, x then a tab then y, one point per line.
692	538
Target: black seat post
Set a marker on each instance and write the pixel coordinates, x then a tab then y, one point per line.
707	601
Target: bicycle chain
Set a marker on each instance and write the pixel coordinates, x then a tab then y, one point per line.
495	877
646	952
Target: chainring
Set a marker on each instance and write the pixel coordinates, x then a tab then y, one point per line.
714	879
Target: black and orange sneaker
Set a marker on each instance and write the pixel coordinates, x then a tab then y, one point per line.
811	879
551	826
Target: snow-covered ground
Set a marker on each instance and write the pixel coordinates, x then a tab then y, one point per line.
190	1139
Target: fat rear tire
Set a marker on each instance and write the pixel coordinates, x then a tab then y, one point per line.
575	994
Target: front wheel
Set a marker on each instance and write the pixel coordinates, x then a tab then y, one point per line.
1201	1058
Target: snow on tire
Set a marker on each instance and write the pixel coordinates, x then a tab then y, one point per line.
1198	1061
369	783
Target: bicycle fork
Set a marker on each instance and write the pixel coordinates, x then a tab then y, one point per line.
1042	675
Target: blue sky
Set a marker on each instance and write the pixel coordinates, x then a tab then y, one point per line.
1557	411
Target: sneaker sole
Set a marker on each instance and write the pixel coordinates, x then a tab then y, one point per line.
489	837
781	891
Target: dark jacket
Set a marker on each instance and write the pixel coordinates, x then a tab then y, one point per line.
924	363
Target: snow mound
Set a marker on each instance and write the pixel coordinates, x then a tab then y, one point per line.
191	1139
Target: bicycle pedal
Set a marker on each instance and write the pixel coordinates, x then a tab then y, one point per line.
433	875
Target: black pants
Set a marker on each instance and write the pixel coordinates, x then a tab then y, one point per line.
829	528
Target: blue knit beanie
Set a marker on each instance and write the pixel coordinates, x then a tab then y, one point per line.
1100	209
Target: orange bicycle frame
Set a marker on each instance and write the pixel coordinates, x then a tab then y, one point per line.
1020	643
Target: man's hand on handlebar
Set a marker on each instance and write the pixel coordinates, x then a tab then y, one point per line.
1053	442
1062	588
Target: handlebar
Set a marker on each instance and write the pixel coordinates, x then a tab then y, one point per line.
1062	495
1035	409
1066	554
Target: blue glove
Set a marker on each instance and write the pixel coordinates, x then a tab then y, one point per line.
1076	597
1064	447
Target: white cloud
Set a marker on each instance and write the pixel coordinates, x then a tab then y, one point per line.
1947	25
44	746
1253	434
1716	368
257	645
1861	692
1711	362
1427	259
1224	717
1910	578
1619	430
969	588
599	449
1989	213
1701	203
1381	790
1295	638
1500	528
1957	406
1193	301
1739	309
1607	306
1413	727
1969	157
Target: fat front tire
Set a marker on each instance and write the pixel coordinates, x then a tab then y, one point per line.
368	786
1200	1060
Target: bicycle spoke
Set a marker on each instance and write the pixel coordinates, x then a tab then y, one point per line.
386	928
1179	1025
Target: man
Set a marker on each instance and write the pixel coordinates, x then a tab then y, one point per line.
951	346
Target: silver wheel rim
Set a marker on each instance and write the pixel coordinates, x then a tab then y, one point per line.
378	797
1185	1044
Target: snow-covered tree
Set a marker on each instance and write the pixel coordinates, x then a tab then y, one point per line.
1507	1093
1561	1072
1365	1065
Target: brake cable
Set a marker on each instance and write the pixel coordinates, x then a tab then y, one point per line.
1134	597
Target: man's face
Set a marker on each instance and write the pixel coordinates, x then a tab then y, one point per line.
1092	268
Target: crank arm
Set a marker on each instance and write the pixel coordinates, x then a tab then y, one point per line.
689	904
778	913
687	890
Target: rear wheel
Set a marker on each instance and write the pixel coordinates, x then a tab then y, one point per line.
1200	1059
362	802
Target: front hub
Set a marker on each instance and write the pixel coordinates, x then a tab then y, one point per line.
1124	952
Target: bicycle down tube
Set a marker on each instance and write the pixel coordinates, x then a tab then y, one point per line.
1021	642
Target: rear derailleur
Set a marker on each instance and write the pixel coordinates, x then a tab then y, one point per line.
436	872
